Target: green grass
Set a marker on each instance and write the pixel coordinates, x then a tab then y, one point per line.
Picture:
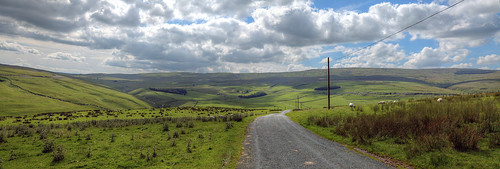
427	142
212	144
34	91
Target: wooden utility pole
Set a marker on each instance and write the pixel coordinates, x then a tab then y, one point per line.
328	61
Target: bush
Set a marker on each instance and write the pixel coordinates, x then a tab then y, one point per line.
465	138
188	149
89	153
2	137
173	143
178	125
229	125
58	154
48	146
113	137
175	135
437	159
494	140
165	127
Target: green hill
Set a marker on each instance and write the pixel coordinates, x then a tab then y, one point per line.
357	85
28	91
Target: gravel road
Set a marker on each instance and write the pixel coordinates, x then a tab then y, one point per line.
274	141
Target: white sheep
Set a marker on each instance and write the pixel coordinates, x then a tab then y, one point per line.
351	104
440	100
381	102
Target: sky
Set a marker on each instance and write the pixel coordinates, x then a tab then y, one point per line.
241	36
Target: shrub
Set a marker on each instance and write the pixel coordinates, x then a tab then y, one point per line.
178	125
12	155
113	137
154	152
2	137
237	117
438	159
89	153
494	140
142	154
48	146
229	125
465	138
188	149
165	127
173	143
43	133
58	154
175	135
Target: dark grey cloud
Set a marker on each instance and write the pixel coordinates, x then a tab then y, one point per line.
53	16
131	18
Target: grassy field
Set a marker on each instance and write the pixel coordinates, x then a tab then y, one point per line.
146	138
359	85
461	132
30	91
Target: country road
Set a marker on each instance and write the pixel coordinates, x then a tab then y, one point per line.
274	141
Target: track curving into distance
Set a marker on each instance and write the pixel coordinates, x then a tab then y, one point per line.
274	141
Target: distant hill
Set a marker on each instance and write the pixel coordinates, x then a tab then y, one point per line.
27	91
359	85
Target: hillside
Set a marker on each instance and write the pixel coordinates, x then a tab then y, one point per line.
28	91
358	85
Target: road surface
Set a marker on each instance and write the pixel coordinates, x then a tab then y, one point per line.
274	141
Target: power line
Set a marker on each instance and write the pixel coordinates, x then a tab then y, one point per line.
387	37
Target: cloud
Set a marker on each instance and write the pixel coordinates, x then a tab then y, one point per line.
435	57
488	59
66	57
462	65
206	35
384	55
4	45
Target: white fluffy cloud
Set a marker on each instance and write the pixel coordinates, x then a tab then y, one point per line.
4	45
435	57
65	56
488	59
384	55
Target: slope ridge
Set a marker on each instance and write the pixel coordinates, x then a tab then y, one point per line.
28	91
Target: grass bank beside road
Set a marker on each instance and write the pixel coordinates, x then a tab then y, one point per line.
460	132
179	138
